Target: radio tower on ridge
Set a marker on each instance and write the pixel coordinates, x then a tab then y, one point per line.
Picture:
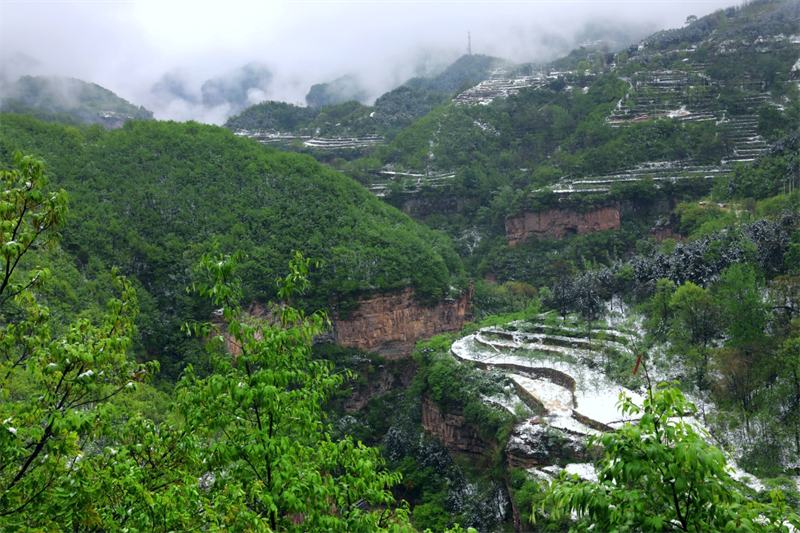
469	44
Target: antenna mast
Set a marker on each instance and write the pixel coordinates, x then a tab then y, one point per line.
469	44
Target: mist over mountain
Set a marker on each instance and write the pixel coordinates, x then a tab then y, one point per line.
247	84
340	90
174	85
468	69
162	58
74	99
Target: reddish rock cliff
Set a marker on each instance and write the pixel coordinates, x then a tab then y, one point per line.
666	229
557	223
391	323
456	434
661	234
388	324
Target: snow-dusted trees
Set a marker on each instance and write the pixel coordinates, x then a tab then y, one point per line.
662	475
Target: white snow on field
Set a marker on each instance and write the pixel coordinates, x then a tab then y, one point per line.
585	471
600	403
510	403
555	398
545	365
542	475
740	475
595	396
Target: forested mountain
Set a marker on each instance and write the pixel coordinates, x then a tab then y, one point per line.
641	144
609	221
338	91
151	197
288	122
466	71
665	109
332	116
69	100
233	87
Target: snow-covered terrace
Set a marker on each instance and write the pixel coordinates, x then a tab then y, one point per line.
554	371
489	90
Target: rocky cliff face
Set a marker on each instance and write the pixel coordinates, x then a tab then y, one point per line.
388	324
534	444
665	229
558	223
379	379
391	323
456	434
420	206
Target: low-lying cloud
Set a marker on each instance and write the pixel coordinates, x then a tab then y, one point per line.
205	61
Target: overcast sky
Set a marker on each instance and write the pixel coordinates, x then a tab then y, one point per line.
129	46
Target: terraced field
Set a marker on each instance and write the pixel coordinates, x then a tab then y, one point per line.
556	371
412	182
496	87
279	138
680	95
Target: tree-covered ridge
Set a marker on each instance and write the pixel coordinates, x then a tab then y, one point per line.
391	112
152	196
86	102
77	456
270	115
328	114
338	91
748	21
520	131
464	72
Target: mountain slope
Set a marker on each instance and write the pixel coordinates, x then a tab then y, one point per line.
86	102
466	70
152	196
338	91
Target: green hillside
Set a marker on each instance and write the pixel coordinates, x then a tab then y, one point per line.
334	111
151	197
680	157
391	112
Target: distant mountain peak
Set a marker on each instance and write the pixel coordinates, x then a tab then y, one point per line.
51	96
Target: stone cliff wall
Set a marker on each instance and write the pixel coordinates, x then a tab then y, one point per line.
391	323
420	206
534	444
666	228
456	434
379	379
557	223
388	324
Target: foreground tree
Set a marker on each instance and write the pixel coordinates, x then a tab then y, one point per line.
54	391
261	415
70	460
661	475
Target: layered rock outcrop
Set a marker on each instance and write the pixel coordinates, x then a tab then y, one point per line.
388	324
534	444
457	435
391	323
557	223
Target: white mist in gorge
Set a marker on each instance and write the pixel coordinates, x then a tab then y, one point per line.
207	60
